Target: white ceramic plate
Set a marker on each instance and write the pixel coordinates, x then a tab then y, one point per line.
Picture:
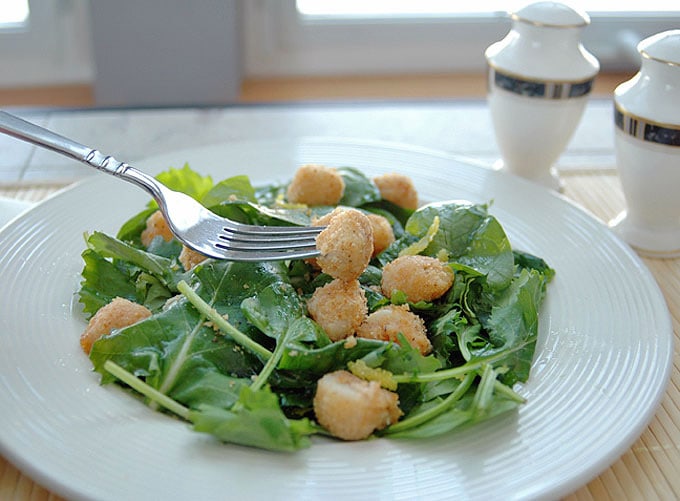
10	208
601	365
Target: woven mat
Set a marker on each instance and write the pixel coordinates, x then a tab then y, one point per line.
650	469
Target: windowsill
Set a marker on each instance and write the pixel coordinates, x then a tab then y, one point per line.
436	86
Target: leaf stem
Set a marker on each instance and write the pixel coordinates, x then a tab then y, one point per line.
484	393
508	392
438	409
211	314
461	370
269	367
148	391
112	247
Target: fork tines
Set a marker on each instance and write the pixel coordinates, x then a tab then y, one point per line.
269	242
283	231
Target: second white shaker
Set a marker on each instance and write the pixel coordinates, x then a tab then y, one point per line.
540	76
647	138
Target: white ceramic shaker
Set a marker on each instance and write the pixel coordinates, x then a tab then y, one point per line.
647	139
540	76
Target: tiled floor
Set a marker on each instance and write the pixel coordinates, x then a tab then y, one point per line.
461	127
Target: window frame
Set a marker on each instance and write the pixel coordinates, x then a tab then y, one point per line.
52	48
279	43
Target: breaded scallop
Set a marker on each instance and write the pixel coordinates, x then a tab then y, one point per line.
389	321
383	234
346	244
156	225
421	278
339	307
398	189
117	314
326	218
190	258
351	408
316	185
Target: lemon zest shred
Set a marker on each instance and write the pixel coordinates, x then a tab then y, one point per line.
419	246
360	369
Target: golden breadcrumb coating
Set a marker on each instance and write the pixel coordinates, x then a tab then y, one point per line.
421	278
117	314
316	185
346	244
326	218
156	225
351	408
383	234
398	189
190	258
389	321
339	307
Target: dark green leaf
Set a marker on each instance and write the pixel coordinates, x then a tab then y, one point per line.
514	324
256	421
102	282
359	189
470	236
234	188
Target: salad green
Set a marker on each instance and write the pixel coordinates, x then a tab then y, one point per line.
230	348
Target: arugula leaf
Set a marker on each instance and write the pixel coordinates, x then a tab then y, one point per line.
176	346
111	247
102	282
225	284
465	404
470	236
451	417
426	420
187	181
514	323
319	360
116	269
257	422
445	334
274	309
252	213
529	261
254	419
279	313
233	188
396	215
402	358
209	387
359	189
171	348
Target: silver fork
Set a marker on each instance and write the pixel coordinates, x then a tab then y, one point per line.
192	224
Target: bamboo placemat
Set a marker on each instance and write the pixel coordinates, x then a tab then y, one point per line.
650	469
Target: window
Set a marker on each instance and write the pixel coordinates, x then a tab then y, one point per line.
325	37
14	14
429	8
44	42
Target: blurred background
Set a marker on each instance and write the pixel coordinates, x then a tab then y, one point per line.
208	52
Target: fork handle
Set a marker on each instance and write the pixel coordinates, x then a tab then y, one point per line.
32	133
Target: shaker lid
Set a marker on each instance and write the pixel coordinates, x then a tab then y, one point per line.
551	14
663	47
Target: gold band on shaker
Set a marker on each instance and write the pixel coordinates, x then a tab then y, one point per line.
516	17
542	89
646	130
